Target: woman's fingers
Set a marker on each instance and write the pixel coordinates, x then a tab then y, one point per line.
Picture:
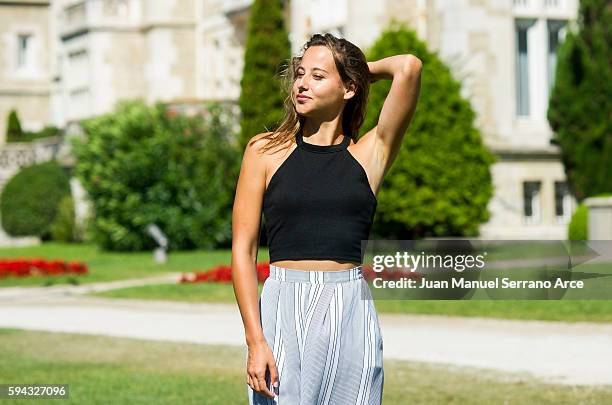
273	374
261	359
255	382
263	387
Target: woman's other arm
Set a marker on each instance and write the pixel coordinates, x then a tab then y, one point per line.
246	221
400	104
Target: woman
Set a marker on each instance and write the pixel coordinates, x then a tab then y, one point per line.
312	337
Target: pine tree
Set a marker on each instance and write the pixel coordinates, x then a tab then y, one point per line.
267	48
580	107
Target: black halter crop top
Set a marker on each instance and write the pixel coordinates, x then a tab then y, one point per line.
319	205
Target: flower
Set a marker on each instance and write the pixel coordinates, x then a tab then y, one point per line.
223	274
23	267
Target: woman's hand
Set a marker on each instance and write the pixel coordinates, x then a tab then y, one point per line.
260	359
374	76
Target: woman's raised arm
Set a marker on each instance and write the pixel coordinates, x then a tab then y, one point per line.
400	104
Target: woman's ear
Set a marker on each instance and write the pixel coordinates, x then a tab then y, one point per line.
350	91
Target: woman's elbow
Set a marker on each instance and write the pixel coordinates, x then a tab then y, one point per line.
413	64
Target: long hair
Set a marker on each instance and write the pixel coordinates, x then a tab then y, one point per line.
353	68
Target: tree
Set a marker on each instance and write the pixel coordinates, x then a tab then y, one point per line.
440	183
267	47
580	107
13	128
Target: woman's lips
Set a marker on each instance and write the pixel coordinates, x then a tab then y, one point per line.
301	97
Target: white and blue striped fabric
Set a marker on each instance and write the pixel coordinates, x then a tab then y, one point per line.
323	329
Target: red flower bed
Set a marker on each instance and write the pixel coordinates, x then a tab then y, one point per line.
33	267
223	274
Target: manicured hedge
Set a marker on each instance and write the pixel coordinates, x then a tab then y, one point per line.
30	199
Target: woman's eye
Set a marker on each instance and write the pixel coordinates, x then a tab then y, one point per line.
318	77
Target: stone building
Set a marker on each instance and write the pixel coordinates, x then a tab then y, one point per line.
97	52
25	63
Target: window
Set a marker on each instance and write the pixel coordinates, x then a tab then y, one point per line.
563	202
531	201
522	66
24	45
556	31
78	68
116	8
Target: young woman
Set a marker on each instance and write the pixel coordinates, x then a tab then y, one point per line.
313	336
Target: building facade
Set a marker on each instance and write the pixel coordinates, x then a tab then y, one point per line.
25	57
189	51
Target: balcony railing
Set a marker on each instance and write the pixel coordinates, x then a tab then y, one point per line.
14	156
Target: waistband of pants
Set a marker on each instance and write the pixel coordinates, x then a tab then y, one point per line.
315	276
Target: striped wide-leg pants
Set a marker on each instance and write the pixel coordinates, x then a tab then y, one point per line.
323	329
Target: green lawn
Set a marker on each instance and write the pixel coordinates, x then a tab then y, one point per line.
563	310
102	370
107	266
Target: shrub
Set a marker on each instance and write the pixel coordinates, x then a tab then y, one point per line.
29	136
13	128
578	228
141	166
440	183
63	228
30	199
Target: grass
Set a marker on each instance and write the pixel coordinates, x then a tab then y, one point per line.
108	266
562	310
188	292
101	370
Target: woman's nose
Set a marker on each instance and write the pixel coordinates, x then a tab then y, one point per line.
302	82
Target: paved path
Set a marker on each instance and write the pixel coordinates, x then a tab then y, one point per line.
579	353
27	293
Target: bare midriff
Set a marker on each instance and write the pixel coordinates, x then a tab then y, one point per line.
318	265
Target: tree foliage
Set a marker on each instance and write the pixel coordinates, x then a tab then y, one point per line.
580	107
141	165
267	48
13	127
30	199
440	183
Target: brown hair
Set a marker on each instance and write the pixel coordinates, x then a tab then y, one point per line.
353	68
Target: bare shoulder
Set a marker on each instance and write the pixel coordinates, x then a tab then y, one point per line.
257	142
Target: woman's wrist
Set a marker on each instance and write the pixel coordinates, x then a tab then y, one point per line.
388	67
255	340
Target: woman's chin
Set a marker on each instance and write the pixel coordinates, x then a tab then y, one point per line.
303	112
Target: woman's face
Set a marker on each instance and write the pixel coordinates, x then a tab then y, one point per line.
317	78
